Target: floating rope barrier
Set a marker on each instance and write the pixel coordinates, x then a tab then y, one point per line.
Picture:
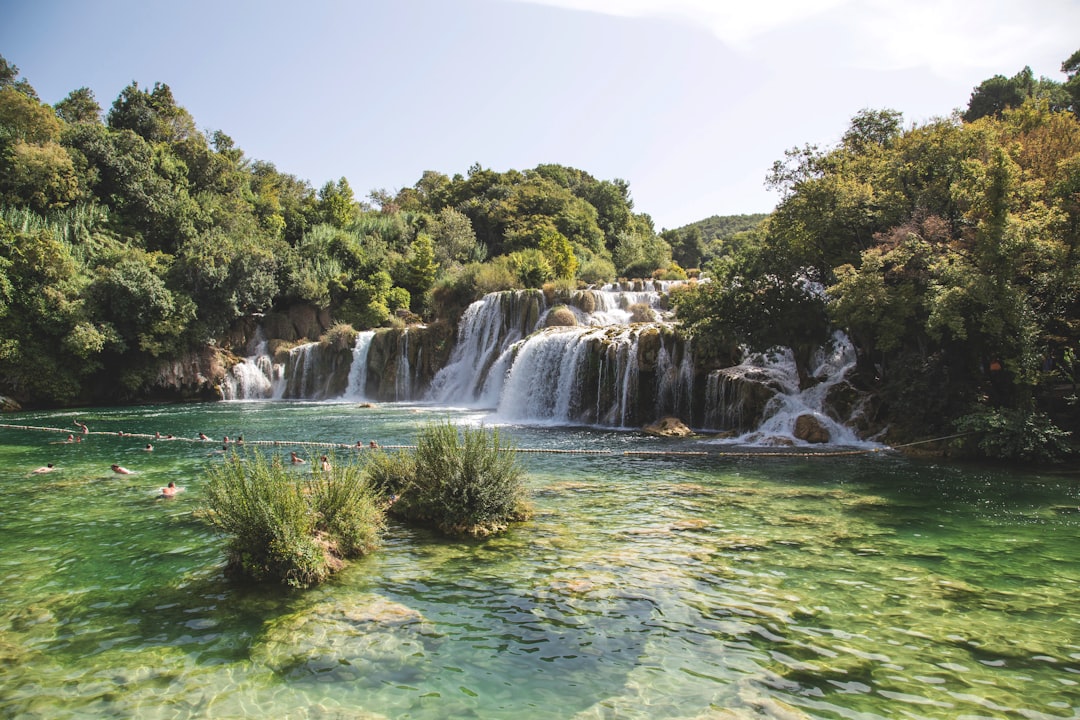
540	451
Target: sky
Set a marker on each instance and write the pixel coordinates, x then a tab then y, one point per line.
689	101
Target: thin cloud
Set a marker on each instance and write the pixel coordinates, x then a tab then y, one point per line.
949	37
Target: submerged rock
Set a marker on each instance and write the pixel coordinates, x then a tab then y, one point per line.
671	427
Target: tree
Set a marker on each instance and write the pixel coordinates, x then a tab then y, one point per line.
757	300
79	106
337	206
1071	68
873	127
559	253
420	266
9	78
154	115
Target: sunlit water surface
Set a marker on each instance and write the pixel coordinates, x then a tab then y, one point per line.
645	587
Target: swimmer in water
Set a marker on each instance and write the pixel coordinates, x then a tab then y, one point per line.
44	469
121	470
170	491
296	459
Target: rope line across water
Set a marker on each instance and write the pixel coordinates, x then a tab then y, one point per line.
545	451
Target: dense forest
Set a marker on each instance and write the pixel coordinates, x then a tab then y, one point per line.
128	237
947	251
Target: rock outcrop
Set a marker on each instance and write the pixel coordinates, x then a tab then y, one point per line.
809	429
669	427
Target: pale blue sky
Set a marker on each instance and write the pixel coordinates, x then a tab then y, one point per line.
690	101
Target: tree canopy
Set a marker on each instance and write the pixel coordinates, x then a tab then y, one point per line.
130	236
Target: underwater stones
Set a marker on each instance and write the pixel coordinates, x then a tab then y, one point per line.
809	429
668	427
334	640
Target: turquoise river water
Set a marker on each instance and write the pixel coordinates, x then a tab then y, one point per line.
646	586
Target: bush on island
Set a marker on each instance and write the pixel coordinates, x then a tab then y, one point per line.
288	527
464	482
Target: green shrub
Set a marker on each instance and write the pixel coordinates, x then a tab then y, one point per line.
1008	434
463	482
287	527
340	336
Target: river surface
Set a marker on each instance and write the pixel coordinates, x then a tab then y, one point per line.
726	585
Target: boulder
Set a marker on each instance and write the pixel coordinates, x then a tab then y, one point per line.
9	404
809	429
671	427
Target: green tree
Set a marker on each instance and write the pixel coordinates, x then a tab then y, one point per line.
79	106
154	115
337	206
420	266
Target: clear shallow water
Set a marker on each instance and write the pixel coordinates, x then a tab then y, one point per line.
645	587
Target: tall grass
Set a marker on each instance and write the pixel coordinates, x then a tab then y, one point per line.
463	481
290	528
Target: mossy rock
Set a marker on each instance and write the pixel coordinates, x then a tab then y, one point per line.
560	316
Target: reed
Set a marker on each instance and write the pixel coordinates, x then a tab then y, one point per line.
462	481
287	527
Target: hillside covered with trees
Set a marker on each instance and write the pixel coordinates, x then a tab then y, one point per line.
129	237
947	251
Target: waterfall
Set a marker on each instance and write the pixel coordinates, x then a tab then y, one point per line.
543	382
728	394
403	376
254	376
357	389
487	328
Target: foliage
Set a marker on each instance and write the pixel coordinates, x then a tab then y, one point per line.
462	481
1016	435
286	528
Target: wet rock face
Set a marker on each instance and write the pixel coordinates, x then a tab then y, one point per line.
743	395
857	409
809	429
194	375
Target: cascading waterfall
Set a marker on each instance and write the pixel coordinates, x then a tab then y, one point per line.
357	389
580	360
254	376
487	328
403	377
588	373
728	394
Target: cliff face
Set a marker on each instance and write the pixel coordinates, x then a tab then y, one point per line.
196	375
401	363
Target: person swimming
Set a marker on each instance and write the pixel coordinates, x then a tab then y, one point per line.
44	469
121	470
171	490
325	463
296	459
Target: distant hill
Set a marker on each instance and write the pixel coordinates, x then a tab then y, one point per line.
695	244
721	227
